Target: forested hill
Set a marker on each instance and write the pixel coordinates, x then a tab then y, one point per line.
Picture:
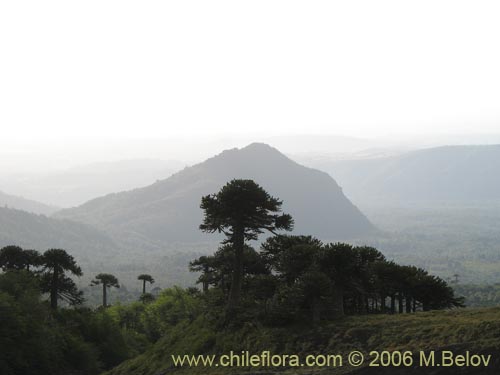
452	175
40	232
169	210
20	203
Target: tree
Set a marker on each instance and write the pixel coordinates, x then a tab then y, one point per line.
12	258
289	256
32	258
216	270
315	287
208	267
242	210
107	281
15	258
340	262
386	275
145	278
434	293
367	257
55	263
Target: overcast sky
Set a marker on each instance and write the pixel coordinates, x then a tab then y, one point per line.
162	68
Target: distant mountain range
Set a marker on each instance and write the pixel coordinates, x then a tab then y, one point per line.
464	175
20	203
77	185
155	228
168	210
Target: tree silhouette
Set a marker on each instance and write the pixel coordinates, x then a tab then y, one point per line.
216	270
145	278
12	258
32	259
107	281
209	267
242	210
55	263
340	262
289	256
315	286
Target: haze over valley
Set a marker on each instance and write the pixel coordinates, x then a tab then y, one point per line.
435	207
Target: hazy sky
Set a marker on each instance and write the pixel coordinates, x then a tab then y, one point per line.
163	68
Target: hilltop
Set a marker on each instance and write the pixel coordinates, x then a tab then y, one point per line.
168	210
460	175
20	203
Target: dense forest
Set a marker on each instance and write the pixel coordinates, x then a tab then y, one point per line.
292	280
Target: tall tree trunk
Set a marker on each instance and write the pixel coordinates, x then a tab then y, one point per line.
382	303
338	301
408	304
361	304
235	291
393	303
205	282
400	303
104	297
53	288
143	286
414	305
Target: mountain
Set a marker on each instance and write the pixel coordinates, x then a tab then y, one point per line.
40	232
168	211
464	175
20	203
77	185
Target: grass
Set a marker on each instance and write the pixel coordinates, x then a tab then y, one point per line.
467	329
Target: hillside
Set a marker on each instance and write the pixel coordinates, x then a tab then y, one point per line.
476	330
74	186
20	203
41	233
168	211
463	175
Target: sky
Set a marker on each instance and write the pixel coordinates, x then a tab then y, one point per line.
98	70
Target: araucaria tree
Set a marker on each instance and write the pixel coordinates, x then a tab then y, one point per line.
107	281
145	278
55	262
242	210
15	258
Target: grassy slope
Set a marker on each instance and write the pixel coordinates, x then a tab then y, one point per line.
472	329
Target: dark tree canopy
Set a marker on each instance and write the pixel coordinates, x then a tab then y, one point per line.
55	263
145	278
242	210
15	258
107	281
32	258
216	270
243	206
12	258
